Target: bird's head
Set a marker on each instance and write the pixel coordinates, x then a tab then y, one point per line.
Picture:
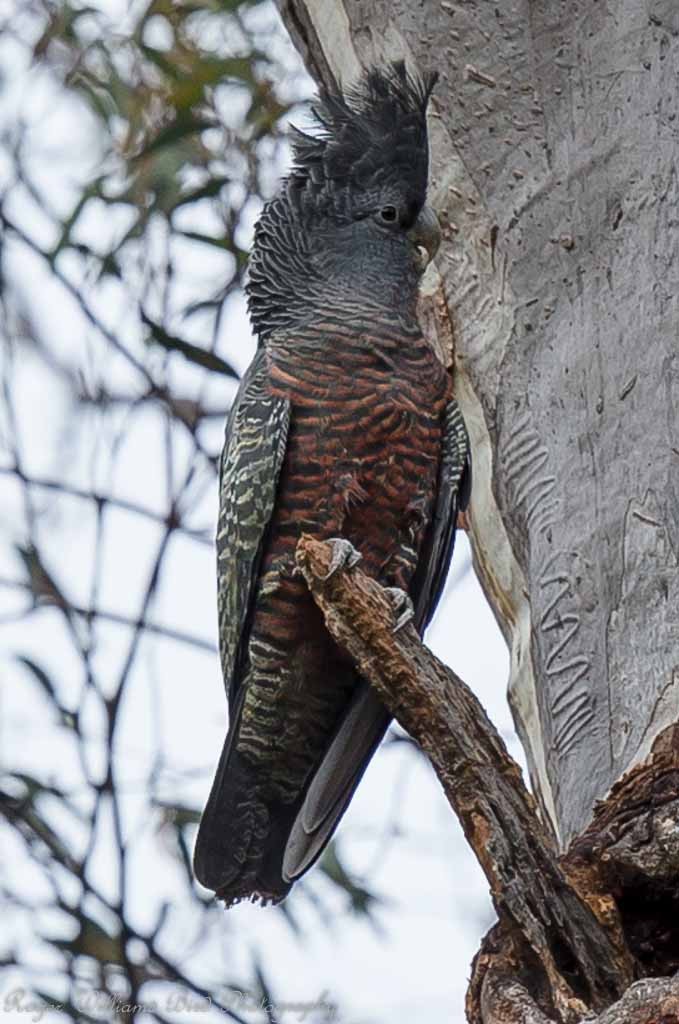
350	229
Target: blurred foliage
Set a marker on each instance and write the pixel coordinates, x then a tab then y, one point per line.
183	98
117	265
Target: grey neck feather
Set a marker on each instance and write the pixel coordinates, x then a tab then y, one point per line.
298	277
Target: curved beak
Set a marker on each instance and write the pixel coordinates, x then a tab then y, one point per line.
425	234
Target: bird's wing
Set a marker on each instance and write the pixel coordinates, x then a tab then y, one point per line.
254	448
454	490
367	720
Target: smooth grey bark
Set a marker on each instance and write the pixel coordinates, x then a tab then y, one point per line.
554	137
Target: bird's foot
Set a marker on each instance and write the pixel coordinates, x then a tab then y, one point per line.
402	607
344	556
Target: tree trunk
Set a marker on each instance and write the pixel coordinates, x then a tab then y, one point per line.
553	135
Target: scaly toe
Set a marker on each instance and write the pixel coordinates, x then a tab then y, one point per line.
402	607
344	556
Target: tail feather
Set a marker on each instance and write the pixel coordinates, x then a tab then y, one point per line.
238	853
251	847
333	785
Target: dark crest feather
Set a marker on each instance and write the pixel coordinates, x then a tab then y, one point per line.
378	122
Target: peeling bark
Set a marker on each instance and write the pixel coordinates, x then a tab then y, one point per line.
650	1001
632	844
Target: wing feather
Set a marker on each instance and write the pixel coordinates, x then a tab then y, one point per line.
254	449
452	496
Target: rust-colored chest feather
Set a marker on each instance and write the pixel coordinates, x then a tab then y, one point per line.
364	448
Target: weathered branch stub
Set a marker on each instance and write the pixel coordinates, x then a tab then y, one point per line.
585	964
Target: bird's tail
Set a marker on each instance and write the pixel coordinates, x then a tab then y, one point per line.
335	781
252	847
239	847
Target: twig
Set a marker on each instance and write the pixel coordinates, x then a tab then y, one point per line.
121	620
99	498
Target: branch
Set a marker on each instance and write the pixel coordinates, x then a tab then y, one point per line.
504	1000
101	499
138	623
585	967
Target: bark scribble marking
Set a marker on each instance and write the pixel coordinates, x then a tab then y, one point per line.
571	705
531	488
523	458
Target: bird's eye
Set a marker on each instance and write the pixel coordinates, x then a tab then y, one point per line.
388	214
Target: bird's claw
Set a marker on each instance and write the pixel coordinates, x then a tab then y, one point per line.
344	556
402	607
